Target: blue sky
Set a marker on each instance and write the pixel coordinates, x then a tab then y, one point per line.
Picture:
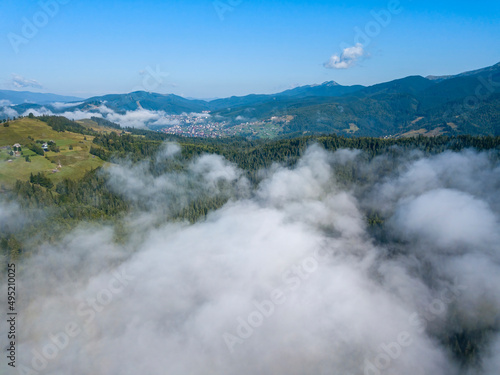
207	48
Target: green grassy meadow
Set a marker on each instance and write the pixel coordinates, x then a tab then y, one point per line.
57	166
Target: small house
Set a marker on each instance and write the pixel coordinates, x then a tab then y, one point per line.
17	149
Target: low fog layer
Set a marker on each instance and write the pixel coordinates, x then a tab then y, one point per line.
287	278
139	118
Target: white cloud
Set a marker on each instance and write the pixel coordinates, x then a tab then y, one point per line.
140	118
42	111
58	105
71	115
8	211
104	109
347	297
346	59
200	115
135	119
20	82
168	150
79	115
9	112
166	121
448	218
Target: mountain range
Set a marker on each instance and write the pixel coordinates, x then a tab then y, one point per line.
467	103
23	97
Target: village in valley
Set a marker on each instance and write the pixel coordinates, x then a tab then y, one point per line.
206	126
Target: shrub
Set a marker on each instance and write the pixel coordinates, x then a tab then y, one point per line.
36	149
53	147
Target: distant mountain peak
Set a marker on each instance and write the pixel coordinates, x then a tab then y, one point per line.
331	84
437	78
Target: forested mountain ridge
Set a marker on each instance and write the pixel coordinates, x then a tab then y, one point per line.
467	103
48	208
67	183
20	97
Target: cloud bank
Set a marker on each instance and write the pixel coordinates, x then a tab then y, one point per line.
59	105
285	278
139	118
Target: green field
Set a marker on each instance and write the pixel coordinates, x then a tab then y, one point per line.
263	130
57	166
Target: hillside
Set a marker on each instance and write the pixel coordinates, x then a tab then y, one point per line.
143	100
468	103
72	160
164	185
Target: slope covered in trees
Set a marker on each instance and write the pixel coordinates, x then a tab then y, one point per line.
101	197
90	198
